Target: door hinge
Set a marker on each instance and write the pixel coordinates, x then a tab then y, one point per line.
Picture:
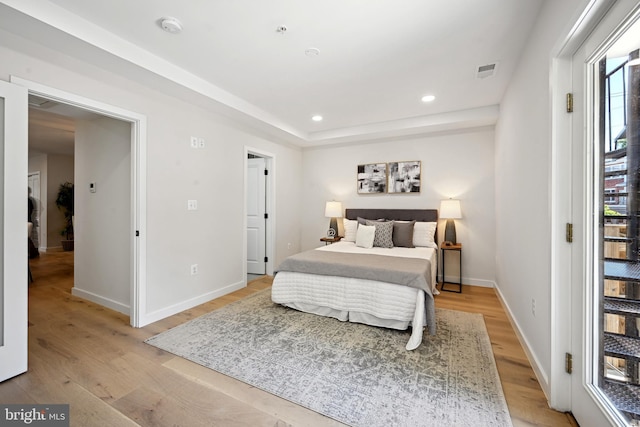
569	232
266	259
569	102
266	216
266	171
568	363
137	233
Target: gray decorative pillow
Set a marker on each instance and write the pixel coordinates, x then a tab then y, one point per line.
384	233
403	233
363	221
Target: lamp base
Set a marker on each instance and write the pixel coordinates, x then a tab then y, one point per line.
450	232
333	225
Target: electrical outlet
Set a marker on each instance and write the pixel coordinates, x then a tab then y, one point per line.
200	142
533	307
194	269
192	205
289	245
194	142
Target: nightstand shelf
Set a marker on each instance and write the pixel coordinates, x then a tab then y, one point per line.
444	249
330	240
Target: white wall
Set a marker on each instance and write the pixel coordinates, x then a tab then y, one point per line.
212	236
459	165
523	170
102	223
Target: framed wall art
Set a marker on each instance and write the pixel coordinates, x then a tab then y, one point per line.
372	178
404	177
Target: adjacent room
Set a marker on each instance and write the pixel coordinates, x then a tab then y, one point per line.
338	213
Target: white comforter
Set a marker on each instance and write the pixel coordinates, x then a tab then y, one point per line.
358	300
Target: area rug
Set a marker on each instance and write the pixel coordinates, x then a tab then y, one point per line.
356	374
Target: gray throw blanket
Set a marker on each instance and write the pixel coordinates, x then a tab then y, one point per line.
412	272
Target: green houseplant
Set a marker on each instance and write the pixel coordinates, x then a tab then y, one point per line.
64	202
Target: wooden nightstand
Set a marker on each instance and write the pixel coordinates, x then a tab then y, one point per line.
330	240
444	249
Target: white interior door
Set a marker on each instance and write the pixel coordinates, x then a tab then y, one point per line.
13	260
256	222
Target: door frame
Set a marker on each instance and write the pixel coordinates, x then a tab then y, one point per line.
560	393
270	192
138	243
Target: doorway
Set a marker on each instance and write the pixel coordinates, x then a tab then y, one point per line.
95	183
579	353
259	213
35	208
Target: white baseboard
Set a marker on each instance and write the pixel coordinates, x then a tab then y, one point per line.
471	281
479	282
540	374
98	299
154	316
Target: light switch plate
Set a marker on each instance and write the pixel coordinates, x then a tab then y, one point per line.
192	205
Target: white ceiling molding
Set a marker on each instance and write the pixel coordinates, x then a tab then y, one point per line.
90	33
264	80
465	119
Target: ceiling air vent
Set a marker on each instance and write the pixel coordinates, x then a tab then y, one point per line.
485	71
38	102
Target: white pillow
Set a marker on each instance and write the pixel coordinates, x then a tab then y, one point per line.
423	234
350	229
365	236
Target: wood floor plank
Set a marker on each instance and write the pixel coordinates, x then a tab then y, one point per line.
168	398
90	357
290	413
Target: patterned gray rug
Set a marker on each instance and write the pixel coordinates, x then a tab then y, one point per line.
356	374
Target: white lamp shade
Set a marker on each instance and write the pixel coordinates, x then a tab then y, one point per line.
333	210
450	209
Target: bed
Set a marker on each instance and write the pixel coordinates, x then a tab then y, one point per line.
391	287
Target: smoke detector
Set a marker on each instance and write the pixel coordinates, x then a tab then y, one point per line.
171	25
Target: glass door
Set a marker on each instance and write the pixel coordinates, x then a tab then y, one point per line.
13	230
619	226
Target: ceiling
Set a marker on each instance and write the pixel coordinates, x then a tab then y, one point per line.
376	59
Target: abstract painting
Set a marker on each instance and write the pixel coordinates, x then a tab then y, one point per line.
372	178
404	177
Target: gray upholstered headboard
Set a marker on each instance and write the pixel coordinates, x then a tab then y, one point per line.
426	215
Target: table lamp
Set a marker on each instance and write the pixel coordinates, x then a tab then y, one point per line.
333	210
450	210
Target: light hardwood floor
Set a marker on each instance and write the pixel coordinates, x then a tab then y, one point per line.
88	356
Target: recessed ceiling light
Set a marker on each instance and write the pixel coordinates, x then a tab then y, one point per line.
428	98
317	118
312	51
171	25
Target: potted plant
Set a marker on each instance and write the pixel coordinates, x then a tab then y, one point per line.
64	202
